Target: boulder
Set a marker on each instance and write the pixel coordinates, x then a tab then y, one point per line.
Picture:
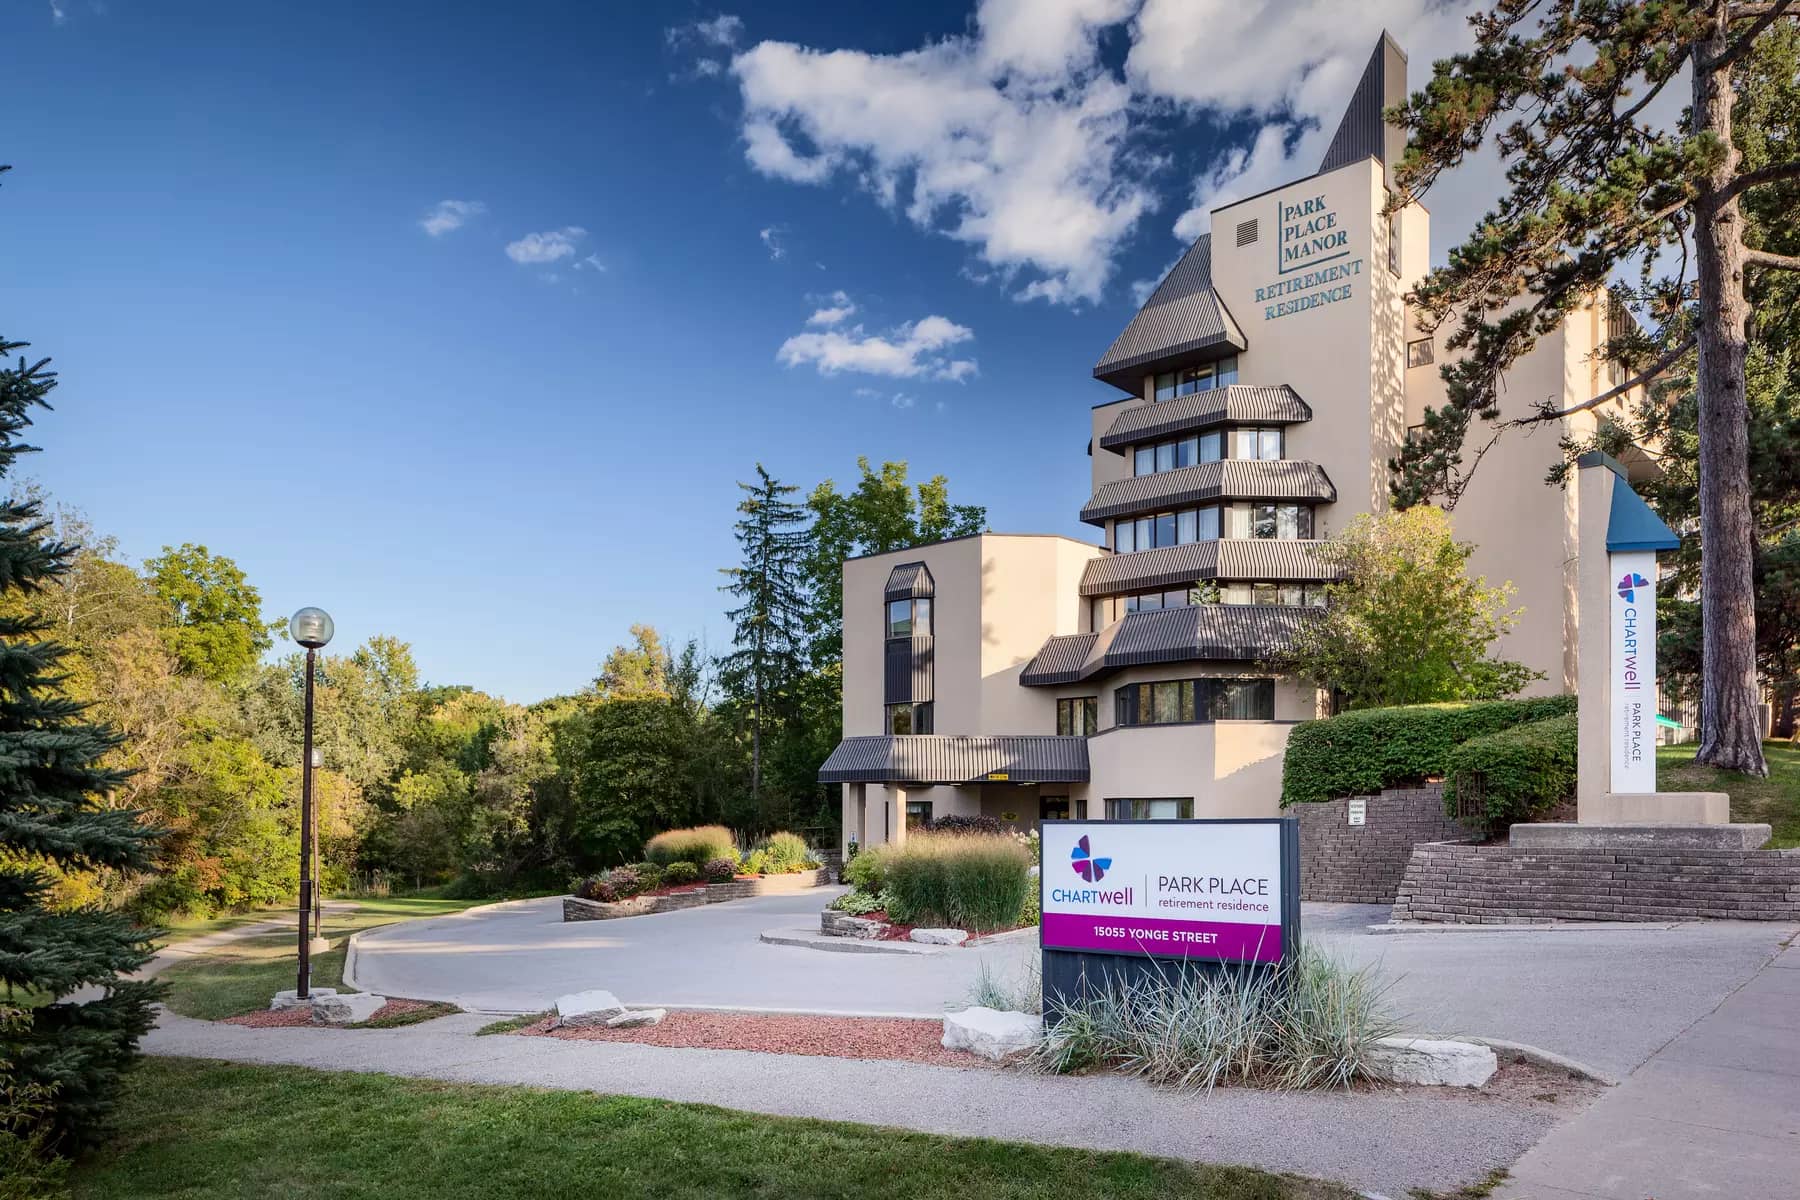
633	1018
992	1033
940	937
346	1008
594	1007
1439	1063
291	998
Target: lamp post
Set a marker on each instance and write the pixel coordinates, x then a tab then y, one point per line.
311	627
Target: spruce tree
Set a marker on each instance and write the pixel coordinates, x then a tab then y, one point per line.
768	625
52	816
1596	190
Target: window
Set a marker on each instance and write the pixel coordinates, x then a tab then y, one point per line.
1184	701
1256	443
918	814
1202	378
1181	452
1175	808
1271	521
1419	353
1166	529
1078	716
1053	808
909	618
1393	241
1310	595
909	718
1173	598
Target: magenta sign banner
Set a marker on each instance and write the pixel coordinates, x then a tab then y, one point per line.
1196	890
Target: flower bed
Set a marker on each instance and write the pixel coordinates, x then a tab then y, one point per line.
387	1015
672	899
830	1037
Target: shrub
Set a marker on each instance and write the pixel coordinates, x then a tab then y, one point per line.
680	873
597	887
895	907
650	876
756	862
784	853
966	881
1518	772
867	872
625	882
956	823
1358	753
720	870
699	845
1310	1023
856	903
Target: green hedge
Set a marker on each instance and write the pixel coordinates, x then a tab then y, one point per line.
1518	772
1359	753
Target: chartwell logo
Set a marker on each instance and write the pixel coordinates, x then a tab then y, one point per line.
1629	583
1086	865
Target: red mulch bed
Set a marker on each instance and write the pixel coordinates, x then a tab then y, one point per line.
903	933
289	1018
830	1037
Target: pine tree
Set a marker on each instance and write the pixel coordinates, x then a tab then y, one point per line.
51	779
1596	190
768	625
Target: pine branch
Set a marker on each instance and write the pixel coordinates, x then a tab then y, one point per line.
1764	16
1649	373
1778	262
1773	173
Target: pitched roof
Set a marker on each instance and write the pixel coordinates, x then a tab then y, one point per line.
1272	559
932	758
1231	478
1183	316
909	580
1192	633
1237	402
1363	133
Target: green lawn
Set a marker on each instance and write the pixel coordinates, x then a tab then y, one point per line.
1774	801
239	976
192	1129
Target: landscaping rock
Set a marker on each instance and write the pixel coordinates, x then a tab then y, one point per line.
838	924
595	1007
1447	1064
991	1033
291	998
940	937
632	1018
346	1008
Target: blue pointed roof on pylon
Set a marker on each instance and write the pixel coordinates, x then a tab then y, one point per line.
1631	525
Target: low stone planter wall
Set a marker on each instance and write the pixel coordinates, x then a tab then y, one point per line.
842	924
768	885
1502	885
576	909
1343	863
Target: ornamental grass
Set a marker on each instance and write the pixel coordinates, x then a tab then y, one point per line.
699	845
962	881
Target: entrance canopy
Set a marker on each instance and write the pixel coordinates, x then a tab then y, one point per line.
928	758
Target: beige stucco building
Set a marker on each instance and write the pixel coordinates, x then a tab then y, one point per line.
1263	388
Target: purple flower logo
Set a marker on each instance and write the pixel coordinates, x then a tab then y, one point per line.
1629	583
1086	865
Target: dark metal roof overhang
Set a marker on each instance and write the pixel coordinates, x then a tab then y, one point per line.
1230	479
1182	323
958	759
1276	560
1238	403
908	581
1193	633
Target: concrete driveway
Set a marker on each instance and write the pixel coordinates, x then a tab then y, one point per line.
1604	995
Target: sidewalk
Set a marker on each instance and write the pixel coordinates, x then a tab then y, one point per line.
1386	1142
1714	1113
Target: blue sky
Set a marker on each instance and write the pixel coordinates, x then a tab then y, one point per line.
684	240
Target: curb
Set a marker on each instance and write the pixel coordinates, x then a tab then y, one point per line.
1001	939
807	940
1544	1058
1391	928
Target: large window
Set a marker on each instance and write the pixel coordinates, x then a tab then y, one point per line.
909	618
909	718
918	814
1178	452
1265	520
1078	716
1169	808
1256	442
1310	595
1202	378
1184	701
1166	529
1152	601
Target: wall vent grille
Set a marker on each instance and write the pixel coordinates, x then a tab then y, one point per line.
1246	232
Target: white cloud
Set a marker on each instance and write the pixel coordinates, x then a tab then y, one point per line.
902	400
834	313
546	247
867	393
590	263
447	216
1010	139
915	350
771	240
719	34
58	14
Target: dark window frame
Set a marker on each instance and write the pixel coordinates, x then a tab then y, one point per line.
1184	807
920	717
1065	715
1196	699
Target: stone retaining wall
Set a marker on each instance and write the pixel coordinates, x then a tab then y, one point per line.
576	909
1501	885
767	885
1363	864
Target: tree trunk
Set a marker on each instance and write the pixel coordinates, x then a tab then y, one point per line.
1730	721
